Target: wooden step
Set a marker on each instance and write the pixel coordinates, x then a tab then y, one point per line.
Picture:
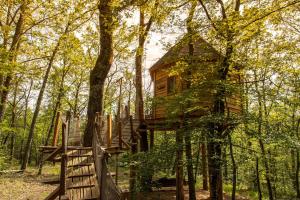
81	186
80	165
80	155
81	175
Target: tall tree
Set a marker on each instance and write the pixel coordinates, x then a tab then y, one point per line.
101	69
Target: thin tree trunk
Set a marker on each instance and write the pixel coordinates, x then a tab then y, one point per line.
189	158
204	166
297	171
25	120
13	120
261	144
101	69
38	104
179	166
258	180
225	164
234	169
187	137
14	48
214	149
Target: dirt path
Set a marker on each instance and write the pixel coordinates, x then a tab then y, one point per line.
26	186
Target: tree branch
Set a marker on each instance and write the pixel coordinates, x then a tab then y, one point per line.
271	12
208	15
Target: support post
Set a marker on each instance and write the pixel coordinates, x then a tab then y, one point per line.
117	169
132	181
151	138
56	129
63	172
109	131
120	133
179	165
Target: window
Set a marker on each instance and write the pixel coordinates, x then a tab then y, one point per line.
171	81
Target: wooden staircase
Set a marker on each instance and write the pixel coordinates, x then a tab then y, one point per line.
125	133
80	178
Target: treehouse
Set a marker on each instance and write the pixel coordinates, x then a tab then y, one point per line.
170	73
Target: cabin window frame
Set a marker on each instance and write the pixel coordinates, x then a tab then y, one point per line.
171	85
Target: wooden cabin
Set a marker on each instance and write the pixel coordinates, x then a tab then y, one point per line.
203	65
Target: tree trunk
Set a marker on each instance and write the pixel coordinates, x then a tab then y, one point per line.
179	166
215	166
261	144
258	180
101	69
13	120
139	108
14	48
234	169
188	145
204	166
189	158
225	164
38	104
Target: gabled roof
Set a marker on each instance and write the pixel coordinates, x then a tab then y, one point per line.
202	50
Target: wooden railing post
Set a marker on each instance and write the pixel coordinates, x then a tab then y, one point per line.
120	133
132	178
63	172
56	129
109	131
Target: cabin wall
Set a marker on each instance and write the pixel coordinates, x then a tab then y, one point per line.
205	101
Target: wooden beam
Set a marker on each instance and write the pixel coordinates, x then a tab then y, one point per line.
53	194
120	133
56	129
63	169
151	138
109	131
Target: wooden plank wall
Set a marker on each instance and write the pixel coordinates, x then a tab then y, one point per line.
233	103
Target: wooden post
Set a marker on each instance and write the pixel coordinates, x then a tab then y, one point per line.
63	172
56	129
120	133
109	131
179	165
132	181
117	169
127	112
151	138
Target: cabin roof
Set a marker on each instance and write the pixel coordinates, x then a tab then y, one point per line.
202	49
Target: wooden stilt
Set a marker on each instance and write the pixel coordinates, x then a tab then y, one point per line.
117	169
109	131
120	133
151	138
56	129
179	166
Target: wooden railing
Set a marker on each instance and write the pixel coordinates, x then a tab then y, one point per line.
64	161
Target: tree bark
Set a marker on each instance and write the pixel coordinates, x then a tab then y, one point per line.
234	169
13	51
101	69
204	166
179	166
13	120
258	180
261	144
189	158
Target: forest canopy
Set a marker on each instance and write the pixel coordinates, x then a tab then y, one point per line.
86	57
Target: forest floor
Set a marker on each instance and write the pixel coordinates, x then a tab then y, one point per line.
25	186
171	195
29	186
